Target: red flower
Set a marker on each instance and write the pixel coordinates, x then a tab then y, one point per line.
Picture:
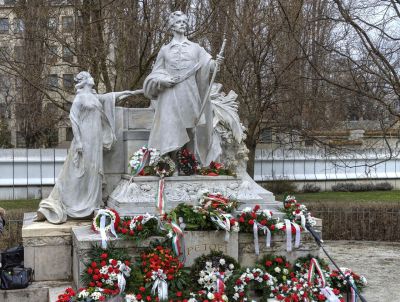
104	256
279	260
321	297
241	219
99	284
142	289
124	231
114	262
94	264
127	263
96	277
179	294
212	174
148	298
268	263
139	296
103	263
102	298
92	284
131	232
90	271
251	221
272	227
139	227
263	222
256	208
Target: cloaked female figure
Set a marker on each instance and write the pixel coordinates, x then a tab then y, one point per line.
78	188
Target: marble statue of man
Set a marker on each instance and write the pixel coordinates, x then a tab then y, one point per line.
179	81
77	192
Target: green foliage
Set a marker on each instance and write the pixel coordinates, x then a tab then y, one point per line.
192	219
280	186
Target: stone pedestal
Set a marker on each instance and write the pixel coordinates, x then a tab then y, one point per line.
48	248
139	195
196	244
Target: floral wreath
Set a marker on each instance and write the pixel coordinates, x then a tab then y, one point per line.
164	167
139	227
209	270
187	162
263	281
140	157
112	220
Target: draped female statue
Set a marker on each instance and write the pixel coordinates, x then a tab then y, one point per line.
77	191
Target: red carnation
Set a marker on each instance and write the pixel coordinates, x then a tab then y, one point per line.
139	296
94	264
142	289
251	221
148	298
90	271
92	284
104	256
114	262
139	227
241	219
131	232
263	222
256	208
102	298
272	227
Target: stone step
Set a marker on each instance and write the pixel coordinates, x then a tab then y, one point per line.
41	291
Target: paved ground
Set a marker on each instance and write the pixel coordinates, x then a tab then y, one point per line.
379	262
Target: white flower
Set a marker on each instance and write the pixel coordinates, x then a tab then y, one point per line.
225	298
210	296
130	298
192	300
214	277
231	266
247	210
277	270
222	261
285	271
363	280
95	295
83	294
208	264
236	296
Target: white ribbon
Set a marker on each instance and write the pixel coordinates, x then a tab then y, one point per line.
223	224
329	294
288	225
124	271
103	233
160	284
256	227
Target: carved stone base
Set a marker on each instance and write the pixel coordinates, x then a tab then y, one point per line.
48	248
138	196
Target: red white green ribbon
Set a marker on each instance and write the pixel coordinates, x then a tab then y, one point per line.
220	283
142	163
160	196
178	242
314	266
288	225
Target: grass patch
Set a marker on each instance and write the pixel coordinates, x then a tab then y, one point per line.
28	205
15	210
371	196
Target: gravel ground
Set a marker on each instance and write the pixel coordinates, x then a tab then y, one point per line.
378	261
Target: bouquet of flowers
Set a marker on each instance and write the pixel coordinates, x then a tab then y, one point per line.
295	211
141	158
139	227
215	169
187	162
248	217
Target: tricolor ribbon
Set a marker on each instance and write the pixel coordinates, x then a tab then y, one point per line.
288	225
267	232
142	163
314	266
103	216
354	296
160	284
160	196
178	242
220	285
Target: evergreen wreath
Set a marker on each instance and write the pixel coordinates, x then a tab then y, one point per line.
187	163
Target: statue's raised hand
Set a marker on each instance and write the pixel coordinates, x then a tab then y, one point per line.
167	82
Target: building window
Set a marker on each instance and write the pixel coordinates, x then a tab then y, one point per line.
19	26
9	2
52	23
19	53
67	24
69	135
52	54
68	81
3	53
67	55
4	25
266	136
52	81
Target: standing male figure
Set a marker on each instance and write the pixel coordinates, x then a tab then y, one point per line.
179	82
